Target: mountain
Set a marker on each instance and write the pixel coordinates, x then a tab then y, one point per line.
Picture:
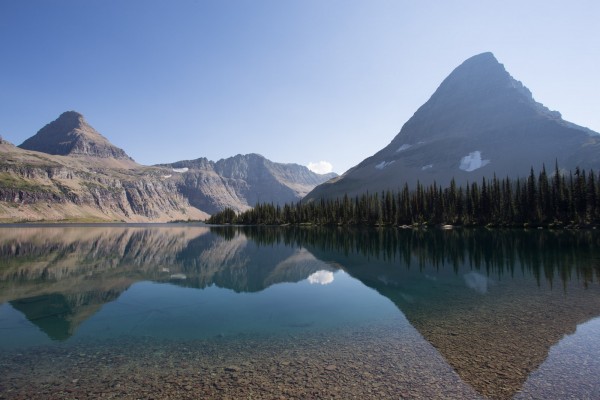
70	134
36	186
242	181
479	122
69	171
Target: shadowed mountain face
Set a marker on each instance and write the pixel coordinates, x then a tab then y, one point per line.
479	122
70	134
242	181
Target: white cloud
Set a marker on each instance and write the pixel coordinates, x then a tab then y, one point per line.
321	277
320	167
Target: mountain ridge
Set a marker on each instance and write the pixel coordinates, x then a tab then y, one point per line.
69	171
242	181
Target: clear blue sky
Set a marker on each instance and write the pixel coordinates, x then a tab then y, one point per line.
296	81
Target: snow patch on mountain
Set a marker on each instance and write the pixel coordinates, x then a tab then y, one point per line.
426	167
384	164
472	161
181	170
404	147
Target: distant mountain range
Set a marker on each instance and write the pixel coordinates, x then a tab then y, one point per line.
69	171
242	181
479	122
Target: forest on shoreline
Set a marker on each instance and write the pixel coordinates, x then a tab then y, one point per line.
555	200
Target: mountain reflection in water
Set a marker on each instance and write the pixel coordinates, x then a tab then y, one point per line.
492	302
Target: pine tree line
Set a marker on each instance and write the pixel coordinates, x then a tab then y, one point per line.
539	200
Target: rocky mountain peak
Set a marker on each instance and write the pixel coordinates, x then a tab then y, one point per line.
71	135
481	81
484	65
481	78
477	97
72	117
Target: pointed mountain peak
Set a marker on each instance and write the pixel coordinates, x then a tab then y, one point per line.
486	57
484	63
478	76
70	134
72	116
478	88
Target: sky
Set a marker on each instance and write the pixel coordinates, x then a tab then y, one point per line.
324	83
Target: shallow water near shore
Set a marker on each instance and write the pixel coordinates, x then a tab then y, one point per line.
183	311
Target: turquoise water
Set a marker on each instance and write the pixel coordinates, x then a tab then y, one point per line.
218	288
454	314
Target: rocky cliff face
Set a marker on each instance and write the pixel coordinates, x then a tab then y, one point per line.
36	186
480	121
70	134
242	181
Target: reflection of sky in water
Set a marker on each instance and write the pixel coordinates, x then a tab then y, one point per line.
17	331
172	311
476	281
321	278
321	301
573	365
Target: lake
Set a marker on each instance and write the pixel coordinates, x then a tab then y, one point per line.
191	311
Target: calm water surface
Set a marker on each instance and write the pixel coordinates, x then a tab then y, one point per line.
180	311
